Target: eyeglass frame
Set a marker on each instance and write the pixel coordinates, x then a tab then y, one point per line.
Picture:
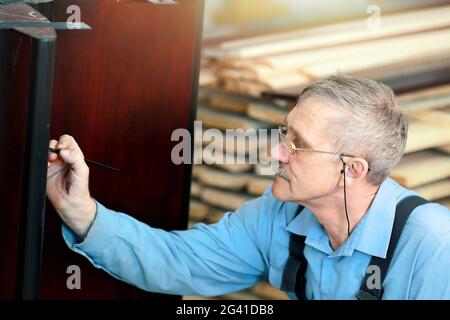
293	148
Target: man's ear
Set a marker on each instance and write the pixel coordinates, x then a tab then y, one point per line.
354	169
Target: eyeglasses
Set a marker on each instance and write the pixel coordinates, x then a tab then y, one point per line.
292	148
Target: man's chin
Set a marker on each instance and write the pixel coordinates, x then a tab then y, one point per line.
280	188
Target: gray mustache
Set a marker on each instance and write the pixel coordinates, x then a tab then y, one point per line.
282	172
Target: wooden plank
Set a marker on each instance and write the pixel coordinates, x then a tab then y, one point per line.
236	168
238	144
299	66
436	117
398	75
241	295
422	105
256	70
222	179
194	171
445	149
214	216
297	61
443	90
445	109
435	190
257	185
246	99
267	113
445	202
289	63
281	65
227	104
195	188
411	75
286	80
423	136
402	77
198	210
224	120
422	46
208	77
421	168
335	34
238	103
396	19
232	167
250	88
267	291
191	224
223	199
239	148
351	64
240	14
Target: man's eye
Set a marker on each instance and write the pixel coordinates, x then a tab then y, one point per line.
298	143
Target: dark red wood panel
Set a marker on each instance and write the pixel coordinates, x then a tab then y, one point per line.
120	90
14	64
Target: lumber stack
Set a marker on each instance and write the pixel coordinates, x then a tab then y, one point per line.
238	72
293	59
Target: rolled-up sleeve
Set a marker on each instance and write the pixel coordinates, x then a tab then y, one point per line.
205	260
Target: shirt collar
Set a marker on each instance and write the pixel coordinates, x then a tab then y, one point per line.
371	235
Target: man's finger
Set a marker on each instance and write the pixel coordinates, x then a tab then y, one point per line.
67	142
51	155
75	159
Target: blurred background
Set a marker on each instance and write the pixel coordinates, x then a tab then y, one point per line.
258	54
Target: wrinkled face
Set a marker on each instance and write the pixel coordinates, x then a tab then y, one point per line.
305	175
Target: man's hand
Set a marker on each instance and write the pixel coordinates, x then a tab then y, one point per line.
68	185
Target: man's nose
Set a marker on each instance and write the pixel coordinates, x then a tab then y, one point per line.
279	153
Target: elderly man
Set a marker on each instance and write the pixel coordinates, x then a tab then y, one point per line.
332	226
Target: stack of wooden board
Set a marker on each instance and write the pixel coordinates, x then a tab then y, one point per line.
425	167
293	59
239	71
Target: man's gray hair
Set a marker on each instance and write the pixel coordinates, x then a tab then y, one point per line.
373	125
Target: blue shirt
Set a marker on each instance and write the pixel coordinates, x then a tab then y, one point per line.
251	244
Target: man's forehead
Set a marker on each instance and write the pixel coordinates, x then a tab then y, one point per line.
310	119
313	111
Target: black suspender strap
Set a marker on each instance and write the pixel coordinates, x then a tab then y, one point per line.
402	213
294	279
294	272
